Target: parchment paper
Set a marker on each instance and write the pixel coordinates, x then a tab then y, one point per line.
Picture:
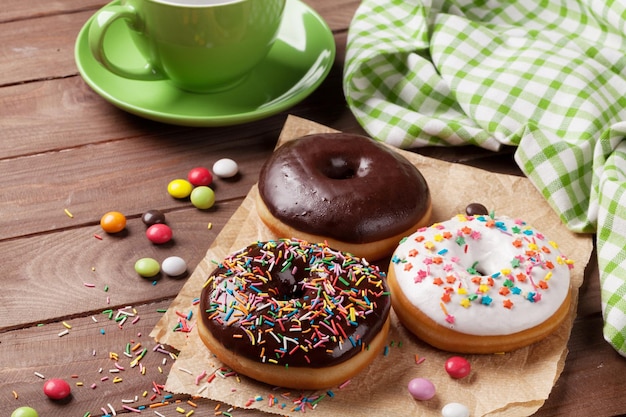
511	384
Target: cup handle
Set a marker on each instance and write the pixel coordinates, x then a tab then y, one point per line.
97	31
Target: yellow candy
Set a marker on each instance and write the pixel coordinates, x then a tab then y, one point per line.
179	188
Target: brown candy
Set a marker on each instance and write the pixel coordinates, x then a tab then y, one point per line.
151	217
476	209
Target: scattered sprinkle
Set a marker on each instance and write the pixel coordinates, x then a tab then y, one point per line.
199	377
345	384
134	410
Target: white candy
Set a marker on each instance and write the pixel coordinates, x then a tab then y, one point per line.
455	410
174	266
225	168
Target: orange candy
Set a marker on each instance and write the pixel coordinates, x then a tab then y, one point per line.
113	222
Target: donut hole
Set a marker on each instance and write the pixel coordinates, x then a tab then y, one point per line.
481	271
288	288
491	261
339	168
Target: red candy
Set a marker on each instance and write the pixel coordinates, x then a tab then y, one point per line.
159	233
200	176
56	389
458	367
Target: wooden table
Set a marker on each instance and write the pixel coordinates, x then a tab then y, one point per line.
67	157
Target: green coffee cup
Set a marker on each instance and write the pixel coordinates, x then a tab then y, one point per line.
200	46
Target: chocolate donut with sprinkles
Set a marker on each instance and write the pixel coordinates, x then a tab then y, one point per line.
294	314
480	284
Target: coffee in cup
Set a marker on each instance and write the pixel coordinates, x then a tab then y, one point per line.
200	46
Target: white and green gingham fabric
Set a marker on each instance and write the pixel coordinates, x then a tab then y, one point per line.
548	77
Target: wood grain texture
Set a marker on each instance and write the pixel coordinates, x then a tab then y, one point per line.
54	272
17	10
63	147
39	187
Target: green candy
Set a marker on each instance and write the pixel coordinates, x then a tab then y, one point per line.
24	412
202	197
147	267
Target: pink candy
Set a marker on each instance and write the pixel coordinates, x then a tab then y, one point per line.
421	389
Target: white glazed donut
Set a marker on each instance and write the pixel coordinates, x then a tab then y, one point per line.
480	284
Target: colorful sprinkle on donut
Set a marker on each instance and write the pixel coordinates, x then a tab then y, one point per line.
483	274
293	303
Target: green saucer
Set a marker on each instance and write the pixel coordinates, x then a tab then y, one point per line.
297	64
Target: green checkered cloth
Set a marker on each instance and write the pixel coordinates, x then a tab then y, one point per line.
548	77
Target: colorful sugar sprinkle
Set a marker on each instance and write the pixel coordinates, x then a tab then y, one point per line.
291	319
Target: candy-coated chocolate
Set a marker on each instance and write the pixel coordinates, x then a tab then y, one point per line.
476	209
159	233
57	389
200	176
179	188
24	412
225	168
113	222
151	217
174	266
421	389
455	410
458	367
202	197
147	267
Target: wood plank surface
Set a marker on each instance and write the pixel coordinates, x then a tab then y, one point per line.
64	148
18	10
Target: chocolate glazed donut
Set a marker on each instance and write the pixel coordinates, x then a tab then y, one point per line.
343	187
295	314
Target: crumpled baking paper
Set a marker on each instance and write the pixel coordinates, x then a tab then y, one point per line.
510	384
